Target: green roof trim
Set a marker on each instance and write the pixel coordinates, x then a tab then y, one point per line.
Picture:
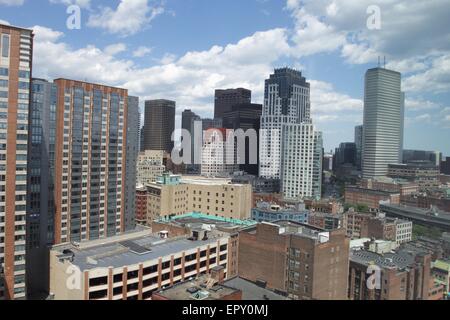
198	215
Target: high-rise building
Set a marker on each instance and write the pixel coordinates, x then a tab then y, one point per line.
245	117
41	185
415	156
16	52
445	166
188	119
226	99
359	130
347	153
383	121
286	101
132	150
159	125
90	161
300	176
218	153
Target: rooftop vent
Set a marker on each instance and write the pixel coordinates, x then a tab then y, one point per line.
192	290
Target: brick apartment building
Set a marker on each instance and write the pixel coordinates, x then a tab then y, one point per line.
369	197
325	221
391	185
141	205
301	261
404	275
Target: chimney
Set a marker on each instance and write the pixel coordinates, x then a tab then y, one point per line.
218	274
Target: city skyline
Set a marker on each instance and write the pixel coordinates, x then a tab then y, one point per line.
276	34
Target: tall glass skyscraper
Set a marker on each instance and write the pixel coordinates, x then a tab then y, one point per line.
383	121
286	100
290	146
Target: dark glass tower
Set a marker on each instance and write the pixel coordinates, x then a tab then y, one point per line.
159	125
226	99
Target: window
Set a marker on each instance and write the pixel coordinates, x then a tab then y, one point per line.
3	71
5	46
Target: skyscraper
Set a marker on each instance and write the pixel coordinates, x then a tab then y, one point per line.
286	101
90	160
16	52
132	151
187	123
159	124
41	185
226	99
301	161
359	130
245	116
383	121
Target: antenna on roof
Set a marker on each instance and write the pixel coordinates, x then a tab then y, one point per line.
385	62
379	62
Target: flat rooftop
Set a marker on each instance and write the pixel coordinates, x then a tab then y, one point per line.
198	289
131	249
398	260
208	181
252	291
197	218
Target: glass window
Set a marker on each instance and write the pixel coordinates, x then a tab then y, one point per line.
5	46
3	71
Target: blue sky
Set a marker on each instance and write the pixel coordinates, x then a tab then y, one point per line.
184	49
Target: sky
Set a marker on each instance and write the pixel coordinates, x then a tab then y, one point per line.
184	49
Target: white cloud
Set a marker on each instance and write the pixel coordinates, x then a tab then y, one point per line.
12	2
434	79
115	48
128	18
4	22
420	104
85	4
142	51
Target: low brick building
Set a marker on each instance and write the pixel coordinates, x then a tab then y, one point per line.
141	205
402	275
362	196
301	261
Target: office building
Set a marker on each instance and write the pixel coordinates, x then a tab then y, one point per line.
16	52
424	174
134	265
428	157
149	166
159	125
245	117
286	101
132	150
347	153
188	119
226	99
383	121
445	166
171	196
302	261
359	134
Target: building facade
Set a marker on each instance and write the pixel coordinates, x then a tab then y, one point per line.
383	121
16	52
159	124
369	197
149	166
286	101
359	134
218	153
302	261
132	150
425	175
270	212
226	99
125	268
171	196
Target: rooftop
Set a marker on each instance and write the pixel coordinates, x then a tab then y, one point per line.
253	291
129	249
393	260
196	218
202	288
